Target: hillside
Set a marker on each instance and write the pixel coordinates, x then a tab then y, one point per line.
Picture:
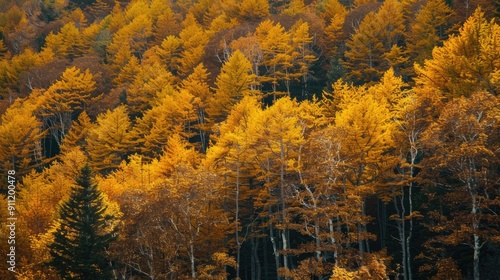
251	139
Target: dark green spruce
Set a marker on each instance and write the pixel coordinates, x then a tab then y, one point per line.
79	249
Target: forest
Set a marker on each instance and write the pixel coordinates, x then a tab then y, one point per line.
250	139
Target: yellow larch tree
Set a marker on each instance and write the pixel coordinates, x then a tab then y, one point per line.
250	9
364	129
274	42
169	52
295	7
194	39
77	134
232	84
197	85
66	96
334	16
281	136
109	141
148	87
429	28
233	156
174	114
376	44
67	43
20	139
303	55
467	62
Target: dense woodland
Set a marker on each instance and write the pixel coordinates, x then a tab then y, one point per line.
254	139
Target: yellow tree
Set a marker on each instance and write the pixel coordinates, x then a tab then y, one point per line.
467	62
462	148
334	17
63	98
375	46
169	52
151	83
303	55
295	7
364	54
274	42
249	46
172	241
174	114
232	84
131	39
20	140
109	141
247	10
194	39
197	85
67	43
233	156
77	134
281	137
364	129
429	28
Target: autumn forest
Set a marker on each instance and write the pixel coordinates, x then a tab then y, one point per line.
250	139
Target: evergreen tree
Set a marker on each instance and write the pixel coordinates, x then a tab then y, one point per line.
83	235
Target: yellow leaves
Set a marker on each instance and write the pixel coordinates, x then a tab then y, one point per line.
252	9
67	43
217	270
334	16
20	138
233	83
430	28
373	269
466	63
73	87
375	38
151	83
194	39
295	7
110	140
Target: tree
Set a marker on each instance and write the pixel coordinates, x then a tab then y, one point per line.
109	140
364	54
175	114
77	134
274	42
197	85
149	86
233	155
67	43
430	27
194	39
464	160
83	233
63	98
303	56
233	83
334	16
281	137
247	10
364	128
375	44
20	139
467	62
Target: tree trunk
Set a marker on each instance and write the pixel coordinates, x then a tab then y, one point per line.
255	264
477	244
237	220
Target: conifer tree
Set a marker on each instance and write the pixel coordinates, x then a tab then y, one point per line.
83	236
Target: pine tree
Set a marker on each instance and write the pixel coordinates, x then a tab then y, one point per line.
83	235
